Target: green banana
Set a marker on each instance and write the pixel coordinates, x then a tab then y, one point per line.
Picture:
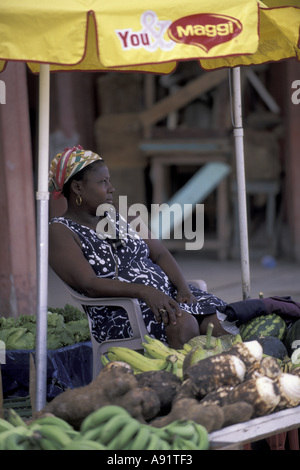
154	442
125	436
14	418
183	444
5	425
84	444
45	444
55	434
12	439
182	428
139	442
115	425
137	361
104	360
53	420
100	416
203	437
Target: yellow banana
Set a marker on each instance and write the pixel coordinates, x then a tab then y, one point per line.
100	416
136	360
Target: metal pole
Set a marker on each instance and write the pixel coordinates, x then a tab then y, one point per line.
238	133
42	197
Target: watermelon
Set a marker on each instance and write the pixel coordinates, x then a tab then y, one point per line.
265	325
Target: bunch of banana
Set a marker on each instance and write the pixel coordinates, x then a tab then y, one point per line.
155	349
113	427
187	435
46	433
138	362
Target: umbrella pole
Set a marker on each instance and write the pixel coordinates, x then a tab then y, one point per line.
238	133
42	197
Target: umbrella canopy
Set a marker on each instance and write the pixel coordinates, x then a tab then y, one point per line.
95	35
149	36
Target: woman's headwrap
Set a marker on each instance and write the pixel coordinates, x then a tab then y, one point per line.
67	164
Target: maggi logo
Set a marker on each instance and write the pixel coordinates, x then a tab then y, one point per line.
209	30
204	30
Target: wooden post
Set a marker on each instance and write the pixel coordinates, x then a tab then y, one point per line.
17	213
292	157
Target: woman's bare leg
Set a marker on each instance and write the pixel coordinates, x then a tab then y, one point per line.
185	329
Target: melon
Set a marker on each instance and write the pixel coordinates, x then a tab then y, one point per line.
265	325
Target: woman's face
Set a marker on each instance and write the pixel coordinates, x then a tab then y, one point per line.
96	188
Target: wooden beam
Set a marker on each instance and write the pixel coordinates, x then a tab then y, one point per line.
182	97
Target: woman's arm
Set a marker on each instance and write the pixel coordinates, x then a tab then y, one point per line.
163	258
67	260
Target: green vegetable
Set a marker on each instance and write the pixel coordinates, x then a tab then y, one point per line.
266	325
20	333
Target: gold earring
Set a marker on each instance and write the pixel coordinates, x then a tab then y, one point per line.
78	200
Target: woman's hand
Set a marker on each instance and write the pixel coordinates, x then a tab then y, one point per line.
184	295
164	308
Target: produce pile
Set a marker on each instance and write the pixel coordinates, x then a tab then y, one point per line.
108	428
66	326
162	398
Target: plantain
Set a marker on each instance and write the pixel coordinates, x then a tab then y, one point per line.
137	361
100	416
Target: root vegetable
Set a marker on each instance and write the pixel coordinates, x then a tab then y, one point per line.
235	413
115	384
261	393
211	417
267	367
164	383
218	397
249	352
289	390
214	372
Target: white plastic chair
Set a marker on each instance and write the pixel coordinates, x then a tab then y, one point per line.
133	310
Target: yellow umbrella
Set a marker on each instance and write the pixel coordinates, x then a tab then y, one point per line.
149	36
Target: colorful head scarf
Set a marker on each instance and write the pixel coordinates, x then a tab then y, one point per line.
67	164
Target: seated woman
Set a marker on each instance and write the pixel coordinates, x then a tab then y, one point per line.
173	311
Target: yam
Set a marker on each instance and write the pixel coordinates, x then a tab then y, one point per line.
211	417
235	413
114	385
164	383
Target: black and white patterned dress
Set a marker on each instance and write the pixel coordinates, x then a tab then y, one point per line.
134	265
